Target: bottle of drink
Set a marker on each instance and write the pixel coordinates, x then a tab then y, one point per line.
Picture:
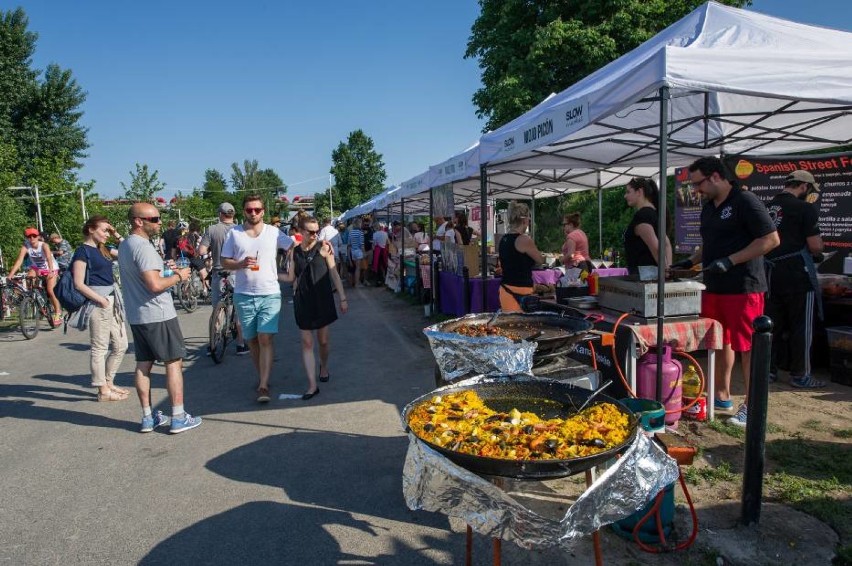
167	271
691	383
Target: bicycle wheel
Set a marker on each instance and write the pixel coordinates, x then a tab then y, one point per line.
49	313
219	333
28	315
188	298
232	326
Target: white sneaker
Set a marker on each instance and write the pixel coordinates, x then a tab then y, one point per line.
740	418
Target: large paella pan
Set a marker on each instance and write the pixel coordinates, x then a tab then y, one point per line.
509	401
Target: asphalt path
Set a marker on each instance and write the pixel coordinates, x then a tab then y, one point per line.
291	482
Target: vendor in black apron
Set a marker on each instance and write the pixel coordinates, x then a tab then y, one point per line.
793	287
518	256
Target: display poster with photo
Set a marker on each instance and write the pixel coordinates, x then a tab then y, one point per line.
764	176
442	200
687	214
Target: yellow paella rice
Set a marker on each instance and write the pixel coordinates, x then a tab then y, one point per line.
461	422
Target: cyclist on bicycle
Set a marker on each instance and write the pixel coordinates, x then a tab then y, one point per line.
42	265
187	247
212	242
62	251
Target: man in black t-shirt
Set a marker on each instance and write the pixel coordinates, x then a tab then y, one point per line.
170	238
790	302
736	232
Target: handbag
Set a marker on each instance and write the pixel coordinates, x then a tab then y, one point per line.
66	292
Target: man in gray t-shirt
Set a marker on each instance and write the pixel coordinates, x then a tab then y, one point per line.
152	317
212	241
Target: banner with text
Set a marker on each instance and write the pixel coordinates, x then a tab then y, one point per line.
764	176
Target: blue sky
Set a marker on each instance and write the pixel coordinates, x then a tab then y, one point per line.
186	86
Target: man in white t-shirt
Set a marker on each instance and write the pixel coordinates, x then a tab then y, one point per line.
440	233
250	252
329	233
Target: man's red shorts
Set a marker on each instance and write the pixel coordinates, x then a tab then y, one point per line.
736	313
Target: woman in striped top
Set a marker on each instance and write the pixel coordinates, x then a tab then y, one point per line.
356	251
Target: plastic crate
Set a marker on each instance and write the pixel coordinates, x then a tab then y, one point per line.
841	367
840	338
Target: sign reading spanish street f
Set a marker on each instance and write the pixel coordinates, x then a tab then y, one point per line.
549	126
765	176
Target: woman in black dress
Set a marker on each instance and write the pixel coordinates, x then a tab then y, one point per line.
312	272
641	241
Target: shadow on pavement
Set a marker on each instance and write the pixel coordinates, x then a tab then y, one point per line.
350	472
44	393
21	409
269	532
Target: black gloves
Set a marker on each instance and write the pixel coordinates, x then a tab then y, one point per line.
682	264
719	266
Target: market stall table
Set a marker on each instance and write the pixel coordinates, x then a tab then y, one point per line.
684	334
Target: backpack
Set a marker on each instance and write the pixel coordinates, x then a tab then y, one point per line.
66	292
185	246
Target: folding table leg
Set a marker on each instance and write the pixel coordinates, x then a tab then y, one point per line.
596	536
468	550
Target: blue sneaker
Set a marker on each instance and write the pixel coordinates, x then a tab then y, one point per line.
740	418
720	405
186	422
806	382
154	421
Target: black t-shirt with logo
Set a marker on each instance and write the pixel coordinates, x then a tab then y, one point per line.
796	221
635	250
727	229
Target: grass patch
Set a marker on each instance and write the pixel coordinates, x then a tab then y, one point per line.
772	428
844	556
711	475
812	459
812	424
725	428
820	498
842	433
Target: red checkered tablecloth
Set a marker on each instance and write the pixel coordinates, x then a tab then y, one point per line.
684	336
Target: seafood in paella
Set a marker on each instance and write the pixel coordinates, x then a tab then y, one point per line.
482	330
461	422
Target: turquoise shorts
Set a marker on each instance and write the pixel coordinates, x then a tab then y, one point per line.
258	314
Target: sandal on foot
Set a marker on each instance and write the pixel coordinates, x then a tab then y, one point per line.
324	378
263	395
111	396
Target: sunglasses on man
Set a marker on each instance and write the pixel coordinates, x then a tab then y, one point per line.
311	232
251	210
151	219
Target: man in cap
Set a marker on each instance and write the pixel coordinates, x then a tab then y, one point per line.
736	233
792	275
212	242
153	321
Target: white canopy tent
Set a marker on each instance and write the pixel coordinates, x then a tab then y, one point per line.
719	81
737	81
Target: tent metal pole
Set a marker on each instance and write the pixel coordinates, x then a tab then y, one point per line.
661	230
532	216
431	251
402	238
600	216
483	229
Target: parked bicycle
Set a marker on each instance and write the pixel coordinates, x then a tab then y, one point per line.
223	324
12	292
34	306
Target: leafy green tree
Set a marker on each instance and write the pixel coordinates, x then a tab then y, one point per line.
358	170
40	118
245	179
215	188
528	49
271	187
143	184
